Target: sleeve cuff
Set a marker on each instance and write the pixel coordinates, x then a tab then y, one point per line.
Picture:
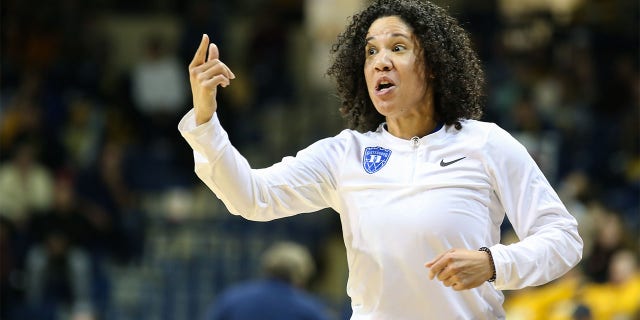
501	263
188	124
207	139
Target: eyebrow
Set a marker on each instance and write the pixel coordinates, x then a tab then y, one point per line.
393	35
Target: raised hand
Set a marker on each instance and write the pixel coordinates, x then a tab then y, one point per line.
461	269
206	73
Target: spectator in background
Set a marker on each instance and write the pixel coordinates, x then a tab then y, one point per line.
556	300
271	81
610	237
324	20
270	58
158	85
58	270
26	188
25	185
619	298
82	131
64	216
574	297
58	279
24	117
534	132
110	204
287	267
158	91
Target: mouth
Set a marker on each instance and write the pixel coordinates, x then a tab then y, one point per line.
384	85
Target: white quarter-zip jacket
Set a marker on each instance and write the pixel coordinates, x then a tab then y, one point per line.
403	202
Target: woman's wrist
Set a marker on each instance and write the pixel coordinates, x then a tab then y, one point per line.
491	263
202	118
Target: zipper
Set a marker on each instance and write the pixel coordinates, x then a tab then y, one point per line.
416	143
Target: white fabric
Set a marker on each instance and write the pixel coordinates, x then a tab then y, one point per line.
396	219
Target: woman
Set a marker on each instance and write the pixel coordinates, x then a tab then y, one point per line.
421	186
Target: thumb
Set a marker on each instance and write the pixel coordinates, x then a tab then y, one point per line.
213	52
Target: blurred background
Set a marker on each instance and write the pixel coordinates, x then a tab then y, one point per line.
102	216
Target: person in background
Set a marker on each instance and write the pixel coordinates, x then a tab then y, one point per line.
287	267
158	89
421	185
107	199
26	190
58	268
26	185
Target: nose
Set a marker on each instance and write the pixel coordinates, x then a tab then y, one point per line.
383	62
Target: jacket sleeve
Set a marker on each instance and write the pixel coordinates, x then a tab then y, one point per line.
304	183
549	243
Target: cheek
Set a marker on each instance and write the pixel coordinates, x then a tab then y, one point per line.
368	76
417	82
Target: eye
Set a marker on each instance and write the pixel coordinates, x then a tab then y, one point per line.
398	47
371	51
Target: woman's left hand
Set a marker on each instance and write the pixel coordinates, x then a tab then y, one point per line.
461	269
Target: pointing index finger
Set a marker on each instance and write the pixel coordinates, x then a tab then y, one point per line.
201	53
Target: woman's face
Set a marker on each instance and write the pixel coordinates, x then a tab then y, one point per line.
394	69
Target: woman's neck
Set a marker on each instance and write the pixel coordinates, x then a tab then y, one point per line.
410	129
415	124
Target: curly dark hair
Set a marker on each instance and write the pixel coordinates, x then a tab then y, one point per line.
459	79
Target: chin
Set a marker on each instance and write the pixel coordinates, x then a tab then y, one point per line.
384	108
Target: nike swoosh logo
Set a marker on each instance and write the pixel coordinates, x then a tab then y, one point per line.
444	164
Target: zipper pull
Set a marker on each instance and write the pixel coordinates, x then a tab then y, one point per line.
415	141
